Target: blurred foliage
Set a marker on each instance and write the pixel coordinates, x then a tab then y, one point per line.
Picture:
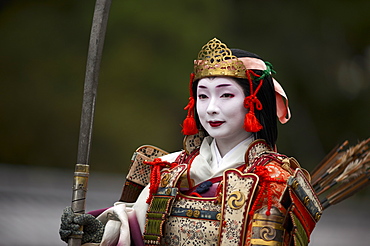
321	50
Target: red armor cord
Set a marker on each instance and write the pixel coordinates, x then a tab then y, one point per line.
155	174
266	181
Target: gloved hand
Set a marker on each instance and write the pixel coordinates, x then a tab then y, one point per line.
92	232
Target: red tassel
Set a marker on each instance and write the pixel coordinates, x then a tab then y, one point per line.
251	123
189	126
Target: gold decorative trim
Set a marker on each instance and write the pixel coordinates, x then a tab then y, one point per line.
236	199
196	213
263	224
263	242
165	179
276	218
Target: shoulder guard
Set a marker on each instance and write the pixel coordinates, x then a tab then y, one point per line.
139	174
259	153
303	207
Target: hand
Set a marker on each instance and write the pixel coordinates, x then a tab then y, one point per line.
92	232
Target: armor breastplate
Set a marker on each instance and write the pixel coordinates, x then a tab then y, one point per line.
193	221
177	219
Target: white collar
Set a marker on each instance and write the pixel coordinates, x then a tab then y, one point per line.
206	165
216	153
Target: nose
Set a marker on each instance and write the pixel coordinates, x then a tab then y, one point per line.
212	107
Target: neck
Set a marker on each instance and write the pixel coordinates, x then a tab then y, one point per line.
225	145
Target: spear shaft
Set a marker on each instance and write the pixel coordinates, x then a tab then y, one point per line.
81	174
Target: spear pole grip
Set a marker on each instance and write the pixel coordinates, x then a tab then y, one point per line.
80	181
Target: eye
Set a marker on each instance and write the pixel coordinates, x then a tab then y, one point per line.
227	95
202	96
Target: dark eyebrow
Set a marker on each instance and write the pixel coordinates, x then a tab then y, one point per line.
221	85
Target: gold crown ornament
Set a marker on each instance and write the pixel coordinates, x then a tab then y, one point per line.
216	59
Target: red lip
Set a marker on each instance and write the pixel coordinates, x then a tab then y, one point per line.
215	123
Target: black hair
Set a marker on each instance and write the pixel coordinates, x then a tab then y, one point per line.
266	95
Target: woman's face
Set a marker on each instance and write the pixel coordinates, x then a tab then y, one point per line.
220	108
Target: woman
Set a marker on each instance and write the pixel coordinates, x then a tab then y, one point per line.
228	186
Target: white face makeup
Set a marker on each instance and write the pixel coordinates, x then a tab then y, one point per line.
220	109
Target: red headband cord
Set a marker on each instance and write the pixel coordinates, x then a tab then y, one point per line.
251	123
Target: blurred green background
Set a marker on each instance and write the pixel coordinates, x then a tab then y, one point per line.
320	50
